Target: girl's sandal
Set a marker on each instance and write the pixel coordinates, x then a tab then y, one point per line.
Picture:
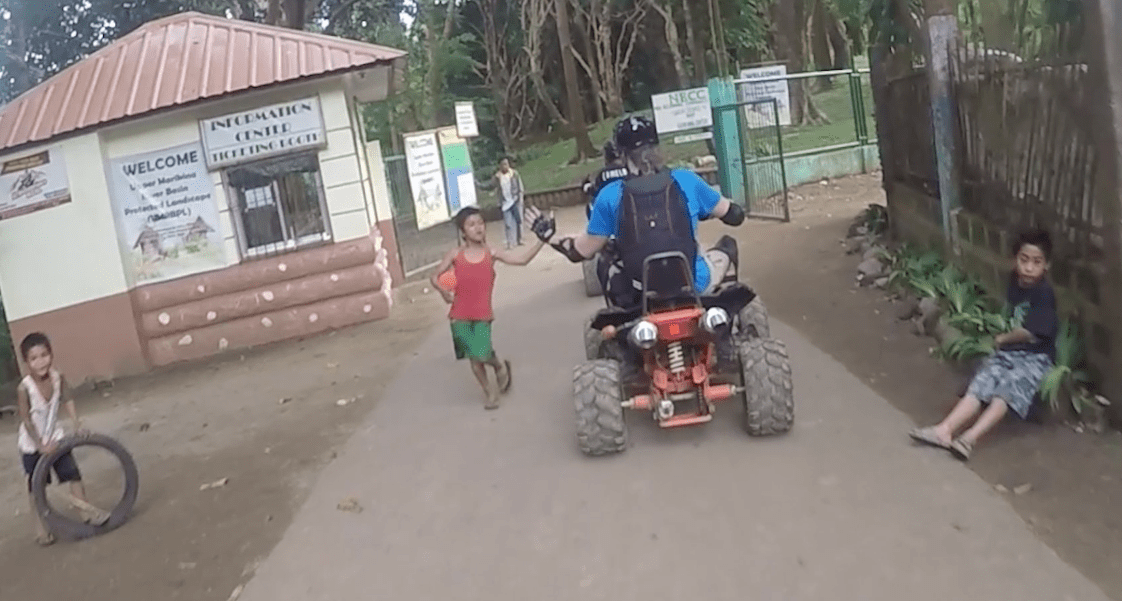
45	540
962	449
928	436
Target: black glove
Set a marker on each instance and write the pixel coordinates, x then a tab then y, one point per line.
734	216
544	227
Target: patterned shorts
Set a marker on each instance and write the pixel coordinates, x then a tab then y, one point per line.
1012	376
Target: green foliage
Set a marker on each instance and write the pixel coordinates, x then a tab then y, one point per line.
1066	378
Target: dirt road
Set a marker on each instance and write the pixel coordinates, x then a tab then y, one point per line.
459	503
463	504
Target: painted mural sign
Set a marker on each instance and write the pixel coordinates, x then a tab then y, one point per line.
458	174
33	183
166	213
263	132
426	179
772	84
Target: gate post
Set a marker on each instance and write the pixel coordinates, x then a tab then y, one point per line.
1105	77
726	139
942	34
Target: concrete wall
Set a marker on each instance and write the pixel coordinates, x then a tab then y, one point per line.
984	250
811	168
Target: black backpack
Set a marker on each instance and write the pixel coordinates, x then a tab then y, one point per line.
654	218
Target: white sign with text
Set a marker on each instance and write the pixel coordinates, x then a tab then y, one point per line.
466	124
263	132
166	213
774	87
426	179
682	110
33	183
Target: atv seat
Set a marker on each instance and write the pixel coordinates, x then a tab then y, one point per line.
667	282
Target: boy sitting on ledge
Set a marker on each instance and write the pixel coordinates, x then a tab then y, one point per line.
1010	378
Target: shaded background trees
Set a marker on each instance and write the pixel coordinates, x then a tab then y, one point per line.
531	80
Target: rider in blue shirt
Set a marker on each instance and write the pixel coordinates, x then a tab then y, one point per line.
655	225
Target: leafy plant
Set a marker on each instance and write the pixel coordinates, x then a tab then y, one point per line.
965	348
1066	375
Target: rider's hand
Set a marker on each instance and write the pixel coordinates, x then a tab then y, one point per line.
48	448
544	226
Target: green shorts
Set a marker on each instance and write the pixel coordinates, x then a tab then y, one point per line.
472	340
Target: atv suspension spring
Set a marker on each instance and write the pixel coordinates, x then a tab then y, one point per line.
677	358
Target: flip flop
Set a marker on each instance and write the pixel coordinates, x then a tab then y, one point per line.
45	541
928	437
505	387
962	449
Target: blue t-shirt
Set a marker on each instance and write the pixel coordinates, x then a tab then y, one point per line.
700	197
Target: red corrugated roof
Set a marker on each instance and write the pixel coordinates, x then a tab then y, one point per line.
174	61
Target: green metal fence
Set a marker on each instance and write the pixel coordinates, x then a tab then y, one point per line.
841	144
419	250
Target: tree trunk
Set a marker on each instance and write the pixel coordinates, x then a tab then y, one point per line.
295	12
843	58
672	40
21	71
820	46
791	21
273	12
578	123
697	52
720	56
588	61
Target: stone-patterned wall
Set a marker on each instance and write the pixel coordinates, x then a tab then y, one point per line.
985	251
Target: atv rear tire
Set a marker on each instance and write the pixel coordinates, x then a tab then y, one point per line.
752	322
601	429
593	341
591	278
769	400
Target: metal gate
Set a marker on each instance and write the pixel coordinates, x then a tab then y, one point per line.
420	250
750	129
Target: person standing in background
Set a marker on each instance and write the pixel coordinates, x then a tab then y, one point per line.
510	199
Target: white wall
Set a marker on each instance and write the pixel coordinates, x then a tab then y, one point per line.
65	255
339	167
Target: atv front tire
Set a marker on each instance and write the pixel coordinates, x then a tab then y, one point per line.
593	341
601	429
769	399
591	279
752	322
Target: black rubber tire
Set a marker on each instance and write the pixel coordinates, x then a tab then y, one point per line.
769	396
591	279
752	322
593	341
601	428
66	527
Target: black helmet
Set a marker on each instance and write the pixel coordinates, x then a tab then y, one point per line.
610	152
635	132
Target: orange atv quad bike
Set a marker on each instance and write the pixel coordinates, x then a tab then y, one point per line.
676	356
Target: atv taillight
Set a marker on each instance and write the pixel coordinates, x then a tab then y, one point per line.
676	325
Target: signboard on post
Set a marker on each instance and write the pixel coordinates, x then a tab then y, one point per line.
466	124
457	169
263	132
33	183
166	213
426	179
682	110
762	114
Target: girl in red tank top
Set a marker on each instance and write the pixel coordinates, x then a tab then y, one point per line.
473	265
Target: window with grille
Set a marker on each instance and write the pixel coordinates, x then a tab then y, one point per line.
278	205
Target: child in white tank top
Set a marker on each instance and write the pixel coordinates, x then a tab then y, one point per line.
41	394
